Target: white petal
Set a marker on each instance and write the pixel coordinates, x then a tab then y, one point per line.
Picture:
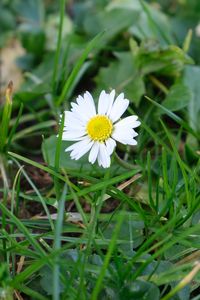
82	142
82	151
130	142
110	145
72	118
74	127
127	141
118	134
79	100
81	111
99	160
130	122
85	107
73	123
72	135
119	107
134	133
111	100
75	139
80	148
103	156
94	153
103	104
124	133
90	103
124	136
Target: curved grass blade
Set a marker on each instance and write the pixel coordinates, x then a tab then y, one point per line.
23	229
174	117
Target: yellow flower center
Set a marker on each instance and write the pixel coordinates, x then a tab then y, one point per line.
99	128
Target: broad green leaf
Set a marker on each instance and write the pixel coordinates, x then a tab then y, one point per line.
7	20
169	60
183	294
81	165
191	80
46	281
191	148
178	97
29	35
31	14
123	76
131	233
30	10
158	267
141	290
113	22
152	23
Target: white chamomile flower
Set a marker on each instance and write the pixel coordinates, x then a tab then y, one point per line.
96	131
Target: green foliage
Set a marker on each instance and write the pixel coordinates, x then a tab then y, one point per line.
31	12
191	77
178	97
6	292
131	84
6	115
72	230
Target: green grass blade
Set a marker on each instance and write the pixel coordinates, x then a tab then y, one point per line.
7	110
180	162
27	131
23	229
111	248
85	191
31	293
58	48
152	23
174	117
57	244
57	156
38	194
93	43
37	165
13	130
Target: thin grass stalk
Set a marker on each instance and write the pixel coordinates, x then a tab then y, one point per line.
58	48
57	244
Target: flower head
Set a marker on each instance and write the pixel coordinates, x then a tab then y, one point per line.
97	130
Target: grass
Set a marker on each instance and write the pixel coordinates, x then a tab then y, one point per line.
70	230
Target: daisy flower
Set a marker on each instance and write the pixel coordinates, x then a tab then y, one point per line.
96	130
